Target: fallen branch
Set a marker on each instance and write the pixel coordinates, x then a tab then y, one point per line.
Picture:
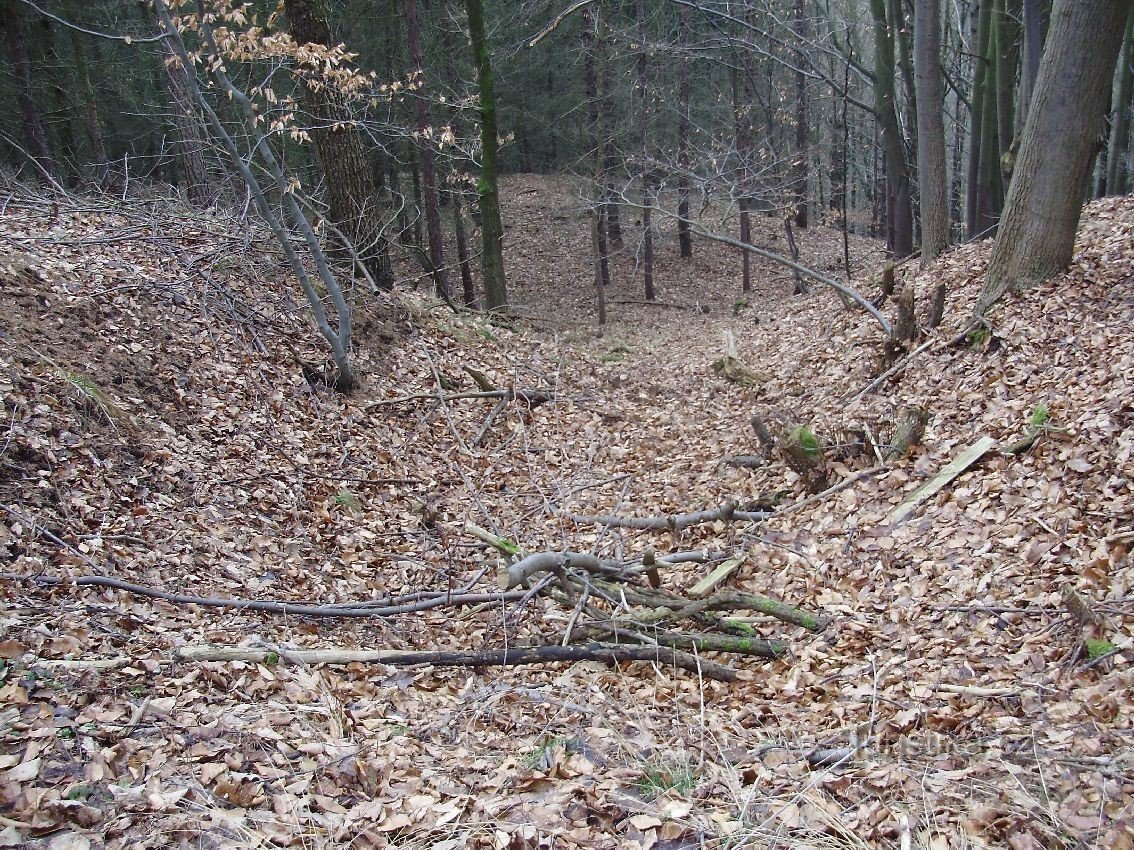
669	304
541	562
673	522
487	658
951	470
532	397
695	643
373	608
667	607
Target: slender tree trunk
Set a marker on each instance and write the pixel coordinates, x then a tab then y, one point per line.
644	116
60	116
1118	149
468	286
594	140
802	152
1036	14
1007	12
492	229
418	212
352	195
899	204
35	136
425	154
742	117
684	239
906	107
974	222
1064	129
930	130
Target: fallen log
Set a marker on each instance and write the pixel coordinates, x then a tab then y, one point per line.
512	656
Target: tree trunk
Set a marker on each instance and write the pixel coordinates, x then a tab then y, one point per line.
1036	14
594	140
683	236
35	136
930	130
1118	149
899	206
975	205
352	194
1063	132
90	108
1007	12
425	155
802	153
59	118
648	195
492	229
190	143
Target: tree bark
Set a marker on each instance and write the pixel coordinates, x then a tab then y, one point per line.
190	141
35	136
425	155
594	140
685	241
352	194
899	205
492	228
91	122
1063	132
644	116
802	153
1118	148
930	130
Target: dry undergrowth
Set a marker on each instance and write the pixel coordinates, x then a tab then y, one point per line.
157	429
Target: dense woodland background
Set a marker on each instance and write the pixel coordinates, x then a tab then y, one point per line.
900	120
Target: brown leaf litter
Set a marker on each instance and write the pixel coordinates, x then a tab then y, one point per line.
157	429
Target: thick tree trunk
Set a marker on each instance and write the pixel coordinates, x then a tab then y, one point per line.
35	136
190	142
492	228
976	221
1063	132
425	155
352	194
930	130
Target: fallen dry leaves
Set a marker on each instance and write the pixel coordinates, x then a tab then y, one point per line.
157	429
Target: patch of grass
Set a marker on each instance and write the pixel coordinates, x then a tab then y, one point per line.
91	395
1097	648
661	777
542	757
347	499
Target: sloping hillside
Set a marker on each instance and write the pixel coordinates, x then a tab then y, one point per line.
973	688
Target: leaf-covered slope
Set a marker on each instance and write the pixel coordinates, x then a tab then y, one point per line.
159	430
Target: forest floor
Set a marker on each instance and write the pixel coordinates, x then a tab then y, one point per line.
974	683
